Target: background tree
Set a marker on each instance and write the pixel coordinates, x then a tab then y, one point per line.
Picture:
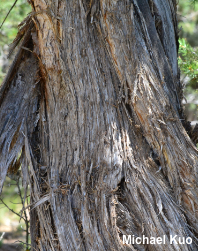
92	104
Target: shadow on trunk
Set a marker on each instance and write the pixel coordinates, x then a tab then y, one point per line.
92	103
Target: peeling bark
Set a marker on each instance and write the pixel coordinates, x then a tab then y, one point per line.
94	106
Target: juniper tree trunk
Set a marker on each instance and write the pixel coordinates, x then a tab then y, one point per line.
91	112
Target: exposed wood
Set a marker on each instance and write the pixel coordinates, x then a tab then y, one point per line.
96	109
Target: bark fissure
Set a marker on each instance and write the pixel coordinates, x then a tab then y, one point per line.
98	119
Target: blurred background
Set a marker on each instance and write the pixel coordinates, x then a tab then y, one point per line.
188	56
13	233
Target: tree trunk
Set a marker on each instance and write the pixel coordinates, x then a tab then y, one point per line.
92	103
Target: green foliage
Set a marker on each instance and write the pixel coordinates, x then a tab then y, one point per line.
10	28
188	59
188	54
18	13
188	20
194	1
11	197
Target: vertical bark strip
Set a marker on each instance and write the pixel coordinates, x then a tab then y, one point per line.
101	126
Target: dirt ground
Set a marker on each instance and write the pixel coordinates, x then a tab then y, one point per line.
11	247
10	242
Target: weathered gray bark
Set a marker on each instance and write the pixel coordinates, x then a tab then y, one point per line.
95	109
